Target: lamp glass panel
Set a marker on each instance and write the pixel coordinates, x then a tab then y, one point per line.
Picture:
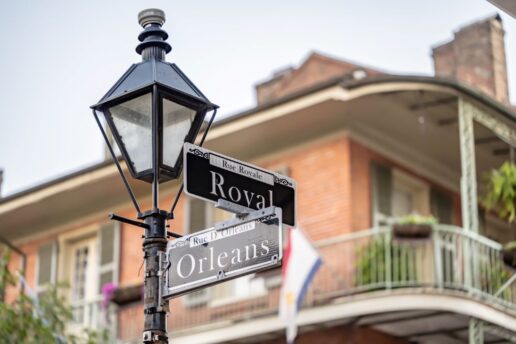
133	121
177	121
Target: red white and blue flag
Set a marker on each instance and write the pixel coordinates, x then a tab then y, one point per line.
300	263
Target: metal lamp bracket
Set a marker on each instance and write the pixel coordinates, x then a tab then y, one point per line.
164	265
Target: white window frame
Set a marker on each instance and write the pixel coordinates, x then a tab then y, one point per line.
66	240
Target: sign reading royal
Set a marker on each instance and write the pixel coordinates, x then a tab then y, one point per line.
233	248
212	176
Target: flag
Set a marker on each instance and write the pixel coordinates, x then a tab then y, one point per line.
300	263
28	290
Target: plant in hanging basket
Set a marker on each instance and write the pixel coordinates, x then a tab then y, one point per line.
509	254
414	226
501	191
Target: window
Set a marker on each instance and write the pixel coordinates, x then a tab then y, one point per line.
88	260
396	194
83	279
409	195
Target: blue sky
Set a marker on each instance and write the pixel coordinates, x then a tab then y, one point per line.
59	57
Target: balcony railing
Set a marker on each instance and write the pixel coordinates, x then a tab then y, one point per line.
451	258
372	260
94	315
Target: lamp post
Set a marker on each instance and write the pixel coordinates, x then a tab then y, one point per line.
151	111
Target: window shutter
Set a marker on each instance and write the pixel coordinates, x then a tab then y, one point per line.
196	215
382	191
109	243
441	205
47	265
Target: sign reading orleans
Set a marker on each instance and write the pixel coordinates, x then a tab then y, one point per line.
213	177
233	248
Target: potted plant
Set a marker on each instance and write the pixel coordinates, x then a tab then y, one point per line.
414	226
501	191
509	254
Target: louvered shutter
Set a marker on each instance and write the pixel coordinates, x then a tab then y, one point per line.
46	266
382	192
441	205
109	243
196	215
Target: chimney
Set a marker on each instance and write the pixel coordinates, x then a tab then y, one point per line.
476	56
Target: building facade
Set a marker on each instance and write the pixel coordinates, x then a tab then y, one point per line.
366	148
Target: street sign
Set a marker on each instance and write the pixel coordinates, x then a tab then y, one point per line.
231	249
213	177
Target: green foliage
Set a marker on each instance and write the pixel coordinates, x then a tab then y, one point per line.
372	263
493	277
416	219
501	191
28	321
372	268
5	277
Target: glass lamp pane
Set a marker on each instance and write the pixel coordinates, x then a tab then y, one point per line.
177	120
133	121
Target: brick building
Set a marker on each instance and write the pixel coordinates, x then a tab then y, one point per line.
365	148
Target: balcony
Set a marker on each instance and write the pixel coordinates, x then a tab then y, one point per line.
94	315
451	259
371	264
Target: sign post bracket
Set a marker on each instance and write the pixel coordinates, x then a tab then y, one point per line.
249	216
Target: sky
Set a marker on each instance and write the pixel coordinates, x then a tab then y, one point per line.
60	57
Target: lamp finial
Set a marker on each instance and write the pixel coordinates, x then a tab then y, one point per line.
153	37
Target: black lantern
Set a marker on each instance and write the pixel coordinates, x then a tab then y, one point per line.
154	108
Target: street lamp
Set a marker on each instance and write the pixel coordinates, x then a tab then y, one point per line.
151	111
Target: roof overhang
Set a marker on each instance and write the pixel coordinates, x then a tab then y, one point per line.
259	132
347	309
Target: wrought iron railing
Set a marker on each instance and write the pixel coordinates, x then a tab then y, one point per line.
451	258
95	315
372	260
